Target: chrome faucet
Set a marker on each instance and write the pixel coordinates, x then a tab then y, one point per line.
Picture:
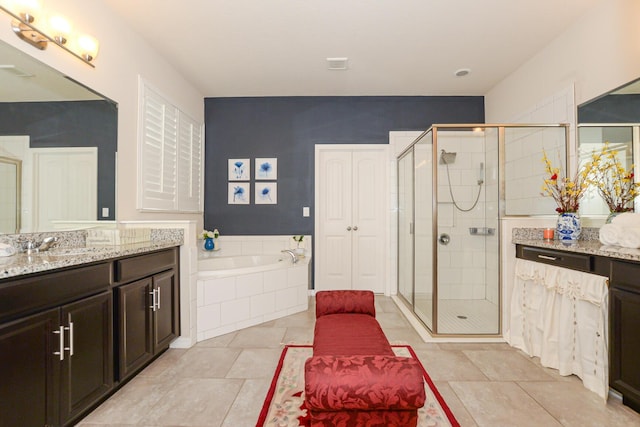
294	257
31	247
47	243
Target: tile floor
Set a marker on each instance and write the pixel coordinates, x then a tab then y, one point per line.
223	381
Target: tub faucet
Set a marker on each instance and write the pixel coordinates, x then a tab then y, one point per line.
294	257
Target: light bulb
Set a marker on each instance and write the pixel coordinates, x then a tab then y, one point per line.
27	9
61	28
88	47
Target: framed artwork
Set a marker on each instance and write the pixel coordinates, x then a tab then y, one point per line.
239	169
266	193
266	168
239	193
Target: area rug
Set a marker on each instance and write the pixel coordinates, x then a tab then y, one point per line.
284	404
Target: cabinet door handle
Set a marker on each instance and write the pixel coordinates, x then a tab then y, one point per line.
70	329
153	299
60	333
349	228
550	258
355	228
158	298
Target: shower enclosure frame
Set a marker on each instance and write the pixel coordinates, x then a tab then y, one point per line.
434	219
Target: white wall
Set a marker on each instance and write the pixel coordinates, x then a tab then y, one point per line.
122	57
598	53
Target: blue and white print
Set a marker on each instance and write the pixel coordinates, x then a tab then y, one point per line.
239	169
238	193
267	168
266	193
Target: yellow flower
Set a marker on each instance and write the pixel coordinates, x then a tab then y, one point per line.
614	183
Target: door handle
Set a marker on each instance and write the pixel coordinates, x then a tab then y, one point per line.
355	228
60	333
153	299
349	228
70	329
158	300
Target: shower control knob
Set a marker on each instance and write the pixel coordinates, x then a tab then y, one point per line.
444	239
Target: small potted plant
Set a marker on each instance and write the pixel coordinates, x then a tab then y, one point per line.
299	250
211	240
567	193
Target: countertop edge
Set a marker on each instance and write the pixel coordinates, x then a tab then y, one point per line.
590	247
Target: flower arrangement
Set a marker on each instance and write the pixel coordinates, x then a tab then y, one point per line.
565	191
211	234
614	183
298	239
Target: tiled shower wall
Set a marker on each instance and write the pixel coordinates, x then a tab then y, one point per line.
467	266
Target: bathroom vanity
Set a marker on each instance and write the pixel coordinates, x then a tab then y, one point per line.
622	267
76	323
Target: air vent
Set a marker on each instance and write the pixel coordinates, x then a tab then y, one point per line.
337	64
15	71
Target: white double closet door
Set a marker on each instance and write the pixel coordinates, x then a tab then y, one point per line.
351	217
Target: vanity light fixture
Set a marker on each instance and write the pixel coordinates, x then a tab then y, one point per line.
27	14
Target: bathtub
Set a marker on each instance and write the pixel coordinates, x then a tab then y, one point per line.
236	292
244	264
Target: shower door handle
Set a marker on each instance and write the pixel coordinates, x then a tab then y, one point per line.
444	239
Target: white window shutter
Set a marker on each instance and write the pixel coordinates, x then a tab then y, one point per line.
189	165
170	156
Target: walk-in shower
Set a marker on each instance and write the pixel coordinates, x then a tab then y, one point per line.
451	185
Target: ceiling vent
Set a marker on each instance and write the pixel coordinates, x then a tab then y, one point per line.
337	64
15	71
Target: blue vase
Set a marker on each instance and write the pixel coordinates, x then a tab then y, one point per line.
208	244
569	227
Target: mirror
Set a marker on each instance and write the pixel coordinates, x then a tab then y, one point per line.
63	136
613	118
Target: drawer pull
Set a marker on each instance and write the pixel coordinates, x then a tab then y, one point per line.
547	257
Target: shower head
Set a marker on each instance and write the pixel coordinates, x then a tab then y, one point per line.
447	158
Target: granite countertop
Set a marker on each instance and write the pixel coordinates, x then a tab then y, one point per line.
61	257
590	245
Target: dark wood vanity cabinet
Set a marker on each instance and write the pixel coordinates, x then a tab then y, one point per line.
147	309
29	392
624	326
64	337
56	363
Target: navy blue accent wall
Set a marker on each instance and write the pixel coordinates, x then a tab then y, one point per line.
611	109
288	128
71	124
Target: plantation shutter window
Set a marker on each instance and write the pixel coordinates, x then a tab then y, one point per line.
170	156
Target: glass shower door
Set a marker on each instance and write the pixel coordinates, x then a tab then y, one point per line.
423	230
405	227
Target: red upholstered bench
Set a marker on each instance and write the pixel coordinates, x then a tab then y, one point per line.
353	377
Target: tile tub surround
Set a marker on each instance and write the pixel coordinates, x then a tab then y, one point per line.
70	250
227	304
231	303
